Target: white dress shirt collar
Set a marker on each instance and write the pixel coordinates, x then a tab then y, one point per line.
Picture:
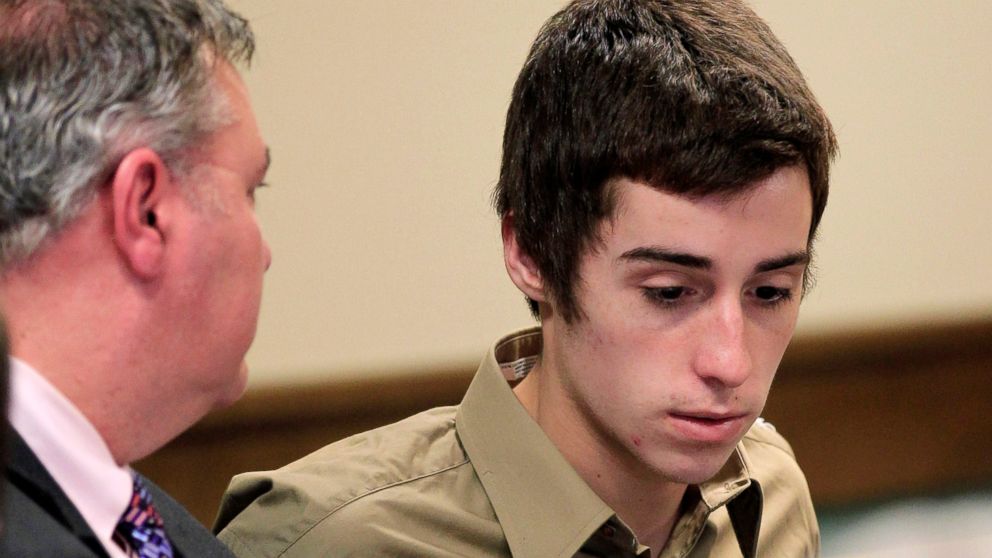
71	450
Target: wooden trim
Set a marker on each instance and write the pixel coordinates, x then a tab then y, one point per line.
881	413
870	414
340	400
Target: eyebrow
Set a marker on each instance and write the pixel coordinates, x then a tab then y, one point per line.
658	254
684	259
801	257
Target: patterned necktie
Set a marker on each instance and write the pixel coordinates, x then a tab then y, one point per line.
140	531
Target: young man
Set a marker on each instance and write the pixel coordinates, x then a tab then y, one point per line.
131	261
664	172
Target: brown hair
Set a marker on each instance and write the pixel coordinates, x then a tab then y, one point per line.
694	97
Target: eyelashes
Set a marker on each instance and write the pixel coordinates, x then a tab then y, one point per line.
671	297
667	296
254	189
773	296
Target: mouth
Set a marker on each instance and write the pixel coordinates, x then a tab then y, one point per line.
709	427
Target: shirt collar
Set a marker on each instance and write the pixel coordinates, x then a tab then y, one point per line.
543	505
71	450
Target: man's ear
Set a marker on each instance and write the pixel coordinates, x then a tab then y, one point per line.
519	265
138	187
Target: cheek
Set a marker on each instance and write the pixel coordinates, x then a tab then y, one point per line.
247	254
770	344
623	368
237	269
260	249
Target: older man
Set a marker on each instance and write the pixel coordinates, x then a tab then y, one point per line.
132	261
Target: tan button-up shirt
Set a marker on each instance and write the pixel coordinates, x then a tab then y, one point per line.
482	479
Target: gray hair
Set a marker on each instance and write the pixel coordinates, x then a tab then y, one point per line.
84	82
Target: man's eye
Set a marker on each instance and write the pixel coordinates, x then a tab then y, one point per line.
665	295
772	295
254	189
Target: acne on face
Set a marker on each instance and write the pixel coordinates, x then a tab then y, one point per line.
687	307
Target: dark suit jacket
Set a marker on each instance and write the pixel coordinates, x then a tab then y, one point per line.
41	522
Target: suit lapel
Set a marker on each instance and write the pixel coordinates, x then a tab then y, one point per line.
27	476
31	486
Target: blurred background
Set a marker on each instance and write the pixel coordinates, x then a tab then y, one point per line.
387	286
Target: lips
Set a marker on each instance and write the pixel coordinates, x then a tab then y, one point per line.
709	427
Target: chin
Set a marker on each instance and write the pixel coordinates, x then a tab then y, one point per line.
698	475
692	467
693	474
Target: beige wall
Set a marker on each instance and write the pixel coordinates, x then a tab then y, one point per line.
385	120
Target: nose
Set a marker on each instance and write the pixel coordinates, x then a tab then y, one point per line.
722	356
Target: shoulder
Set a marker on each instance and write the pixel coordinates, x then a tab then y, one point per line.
764	439
351	492
787	508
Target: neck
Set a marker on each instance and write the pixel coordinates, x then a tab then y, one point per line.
81	328
648	503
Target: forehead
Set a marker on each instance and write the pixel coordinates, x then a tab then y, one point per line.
238	141
771	214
